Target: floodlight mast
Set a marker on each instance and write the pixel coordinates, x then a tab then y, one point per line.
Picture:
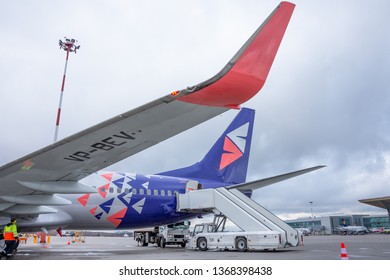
69	45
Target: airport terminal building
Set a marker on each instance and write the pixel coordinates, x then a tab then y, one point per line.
328	224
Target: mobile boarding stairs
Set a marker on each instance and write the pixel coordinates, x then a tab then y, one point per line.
238	208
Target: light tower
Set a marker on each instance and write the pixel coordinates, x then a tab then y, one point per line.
312	217
69	45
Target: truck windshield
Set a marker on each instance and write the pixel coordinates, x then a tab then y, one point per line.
180	225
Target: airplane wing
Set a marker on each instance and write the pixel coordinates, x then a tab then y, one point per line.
57	168
272	180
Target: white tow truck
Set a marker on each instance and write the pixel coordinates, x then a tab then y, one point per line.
206	236
173	234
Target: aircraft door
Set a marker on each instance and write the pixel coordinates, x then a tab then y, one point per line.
193	185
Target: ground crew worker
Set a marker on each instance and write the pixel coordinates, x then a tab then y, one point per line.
11	238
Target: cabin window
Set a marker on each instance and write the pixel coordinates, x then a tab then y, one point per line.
155	192
134	191
163	192
118	190
148	192
141	191
198	229
126	190
210	228
111	190
169	193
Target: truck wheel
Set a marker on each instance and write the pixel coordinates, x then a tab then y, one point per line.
202	244
162	243
183	244
241	245
144	243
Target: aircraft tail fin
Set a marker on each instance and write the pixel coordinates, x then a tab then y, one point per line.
227	160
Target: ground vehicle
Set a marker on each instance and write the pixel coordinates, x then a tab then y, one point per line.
173	234
205	236
351	230
386	230
304	231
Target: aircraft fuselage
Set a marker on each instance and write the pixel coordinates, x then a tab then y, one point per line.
129	200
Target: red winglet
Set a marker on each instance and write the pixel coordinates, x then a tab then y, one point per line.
246	72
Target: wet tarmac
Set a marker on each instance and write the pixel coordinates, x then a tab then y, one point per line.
360	247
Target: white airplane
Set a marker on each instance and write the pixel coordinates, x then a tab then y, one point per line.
50	188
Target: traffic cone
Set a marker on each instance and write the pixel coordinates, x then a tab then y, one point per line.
343	254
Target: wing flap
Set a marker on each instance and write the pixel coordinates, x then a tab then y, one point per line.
29	210
36	199
62	187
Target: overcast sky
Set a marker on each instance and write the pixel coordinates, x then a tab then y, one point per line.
326	100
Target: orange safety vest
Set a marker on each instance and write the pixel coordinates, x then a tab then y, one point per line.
9	232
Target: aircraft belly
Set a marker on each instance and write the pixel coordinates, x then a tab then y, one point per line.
50	221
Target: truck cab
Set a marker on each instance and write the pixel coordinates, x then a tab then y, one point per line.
172	234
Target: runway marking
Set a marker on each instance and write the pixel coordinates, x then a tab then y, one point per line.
87	254
360	256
